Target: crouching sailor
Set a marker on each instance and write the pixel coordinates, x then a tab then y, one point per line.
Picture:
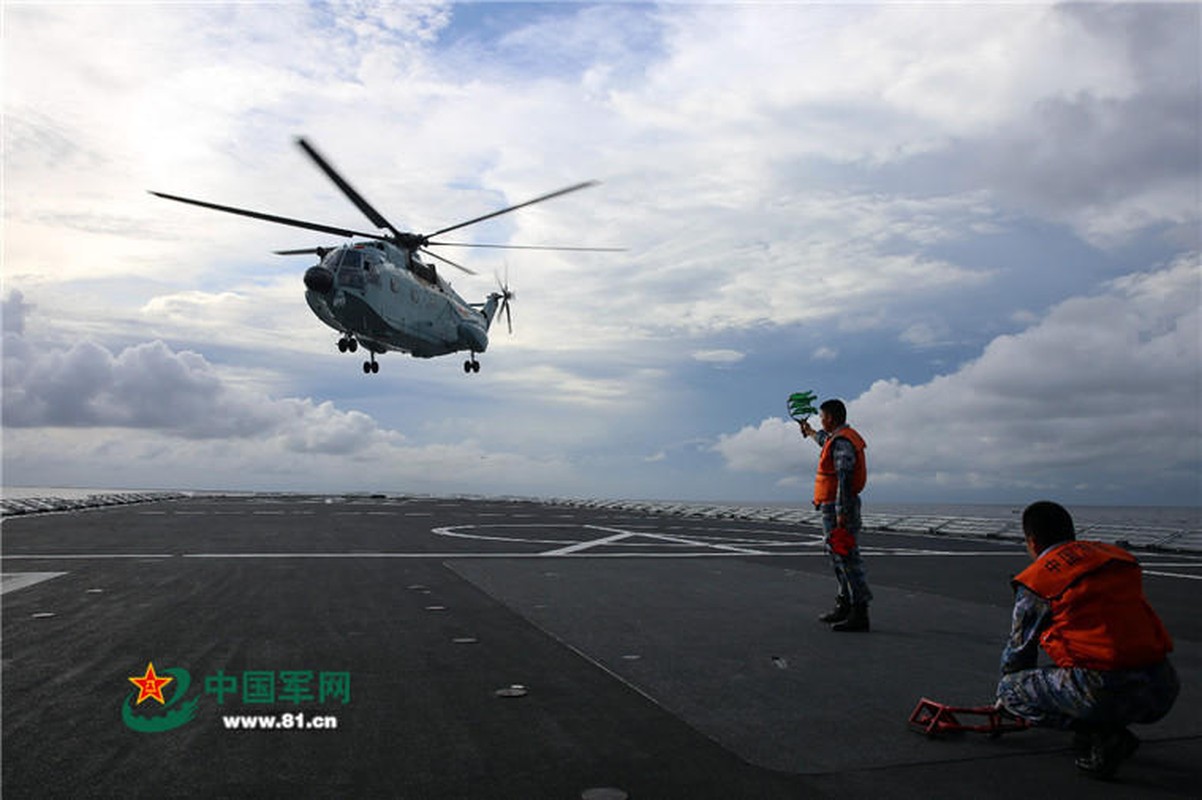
1083	603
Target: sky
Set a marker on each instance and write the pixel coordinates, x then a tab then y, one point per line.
977	224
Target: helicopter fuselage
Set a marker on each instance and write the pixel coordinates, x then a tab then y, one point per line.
385	297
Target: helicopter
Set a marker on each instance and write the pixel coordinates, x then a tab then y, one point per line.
381	295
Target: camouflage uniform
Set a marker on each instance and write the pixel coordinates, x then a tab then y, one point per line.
849	569
1058	697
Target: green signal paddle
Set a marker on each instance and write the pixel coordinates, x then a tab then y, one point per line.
801	405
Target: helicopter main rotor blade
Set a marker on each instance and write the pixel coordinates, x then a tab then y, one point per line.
368	210
551	195
295	223
449	261
530	247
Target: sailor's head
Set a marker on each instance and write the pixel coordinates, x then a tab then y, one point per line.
1046	523
834	414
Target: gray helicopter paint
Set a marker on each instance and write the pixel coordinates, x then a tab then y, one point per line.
388	307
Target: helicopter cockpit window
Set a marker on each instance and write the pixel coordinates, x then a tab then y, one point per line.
350	269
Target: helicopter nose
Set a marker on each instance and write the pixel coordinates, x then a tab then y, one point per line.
319	279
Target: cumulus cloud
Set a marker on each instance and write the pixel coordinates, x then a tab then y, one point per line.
769	447
1104	142
13	312
149	386
148	415
1101	395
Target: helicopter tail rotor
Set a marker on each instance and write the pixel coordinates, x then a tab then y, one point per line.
505	295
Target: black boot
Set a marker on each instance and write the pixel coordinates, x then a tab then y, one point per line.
1108	749
838	613
857	620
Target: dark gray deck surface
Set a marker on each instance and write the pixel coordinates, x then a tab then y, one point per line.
662	657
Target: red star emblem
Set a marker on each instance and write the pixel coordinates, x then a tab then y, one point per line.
150	685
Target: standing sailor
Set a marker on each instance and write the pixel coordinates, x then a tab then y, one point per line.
841	476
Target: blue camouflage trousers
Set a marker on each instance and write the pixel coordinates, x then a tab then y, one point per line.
849	569
1057	697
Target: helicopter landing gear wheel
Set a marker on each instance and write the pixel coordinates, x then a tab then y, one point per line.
471	366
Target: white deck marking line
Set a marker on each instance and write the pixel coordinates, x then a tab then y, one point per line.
576	548
12	581
68	556
621	535
452	532
694	543
737	540
454	556
1173	575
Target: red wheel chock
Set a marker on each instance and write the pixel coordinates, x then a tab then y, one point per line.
934	719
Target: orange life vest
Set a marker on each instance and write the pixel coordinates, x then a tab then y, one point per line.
1100	617
826	482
